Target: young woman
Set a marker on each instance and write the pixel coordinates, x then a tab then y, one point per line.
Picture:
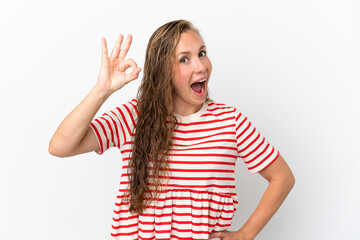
178	177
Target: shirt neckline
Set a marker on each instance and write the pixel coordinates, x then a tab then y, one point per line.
195	115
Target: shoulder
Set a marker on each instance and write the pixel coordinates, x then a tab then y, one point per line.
220	108
125	112
132	103
129	107
218	104
224	110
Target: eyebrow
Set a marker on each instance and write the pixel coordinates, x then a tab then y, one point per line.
188	52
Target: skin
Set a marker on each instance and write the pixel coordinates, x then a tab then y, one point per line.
192	64
281	181
74	135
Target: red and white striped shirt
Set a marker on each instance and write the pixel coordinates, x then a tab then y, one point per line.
200	196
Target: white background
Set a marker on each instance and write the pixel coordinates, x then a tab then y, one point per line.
291	66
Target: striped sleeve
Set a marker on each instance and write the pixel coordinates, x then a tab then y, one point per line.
114	128
252	147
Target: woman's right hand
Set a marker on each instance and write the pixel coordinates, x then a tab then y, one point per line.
112	76
74	135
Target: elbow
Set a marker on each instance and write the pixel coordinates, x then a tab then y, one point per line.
286	181
290	181
54	150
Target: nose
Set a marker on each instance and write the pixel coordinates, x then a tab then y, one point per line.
199	66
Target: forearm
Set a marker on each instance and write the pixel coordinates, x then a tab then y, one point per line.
270	202
73	128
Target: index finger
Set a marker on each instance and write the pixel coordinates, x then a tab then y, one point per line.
125	48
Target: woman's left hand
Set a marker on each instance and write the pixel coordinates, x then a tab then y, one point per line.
229	235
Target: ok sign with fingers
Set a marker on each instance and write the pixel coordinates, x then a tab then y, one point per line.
112	76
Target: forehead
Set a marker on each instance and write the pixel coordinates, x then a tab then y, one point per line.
189	41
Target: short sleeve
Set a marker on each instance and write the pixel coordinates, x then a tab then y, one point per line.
252	147
115	127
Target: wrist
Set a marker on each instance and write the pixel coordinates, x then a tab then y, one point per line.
100	93
245	234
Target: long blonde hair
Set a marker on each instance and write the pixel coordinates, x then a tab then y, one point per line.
156	120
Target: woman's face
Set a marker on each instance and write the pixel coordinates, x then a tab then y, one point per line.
192	65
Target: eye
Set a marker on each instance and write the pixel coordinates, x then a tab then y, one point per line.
202	53
184	59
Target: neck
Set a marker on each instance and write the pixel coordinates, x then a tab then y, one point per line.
185	109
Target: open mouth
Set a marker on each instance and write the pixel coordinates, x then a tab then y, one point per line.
199	86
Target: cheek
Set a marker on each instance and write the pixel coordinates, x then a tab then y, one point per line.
177	81
183	73
182	76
